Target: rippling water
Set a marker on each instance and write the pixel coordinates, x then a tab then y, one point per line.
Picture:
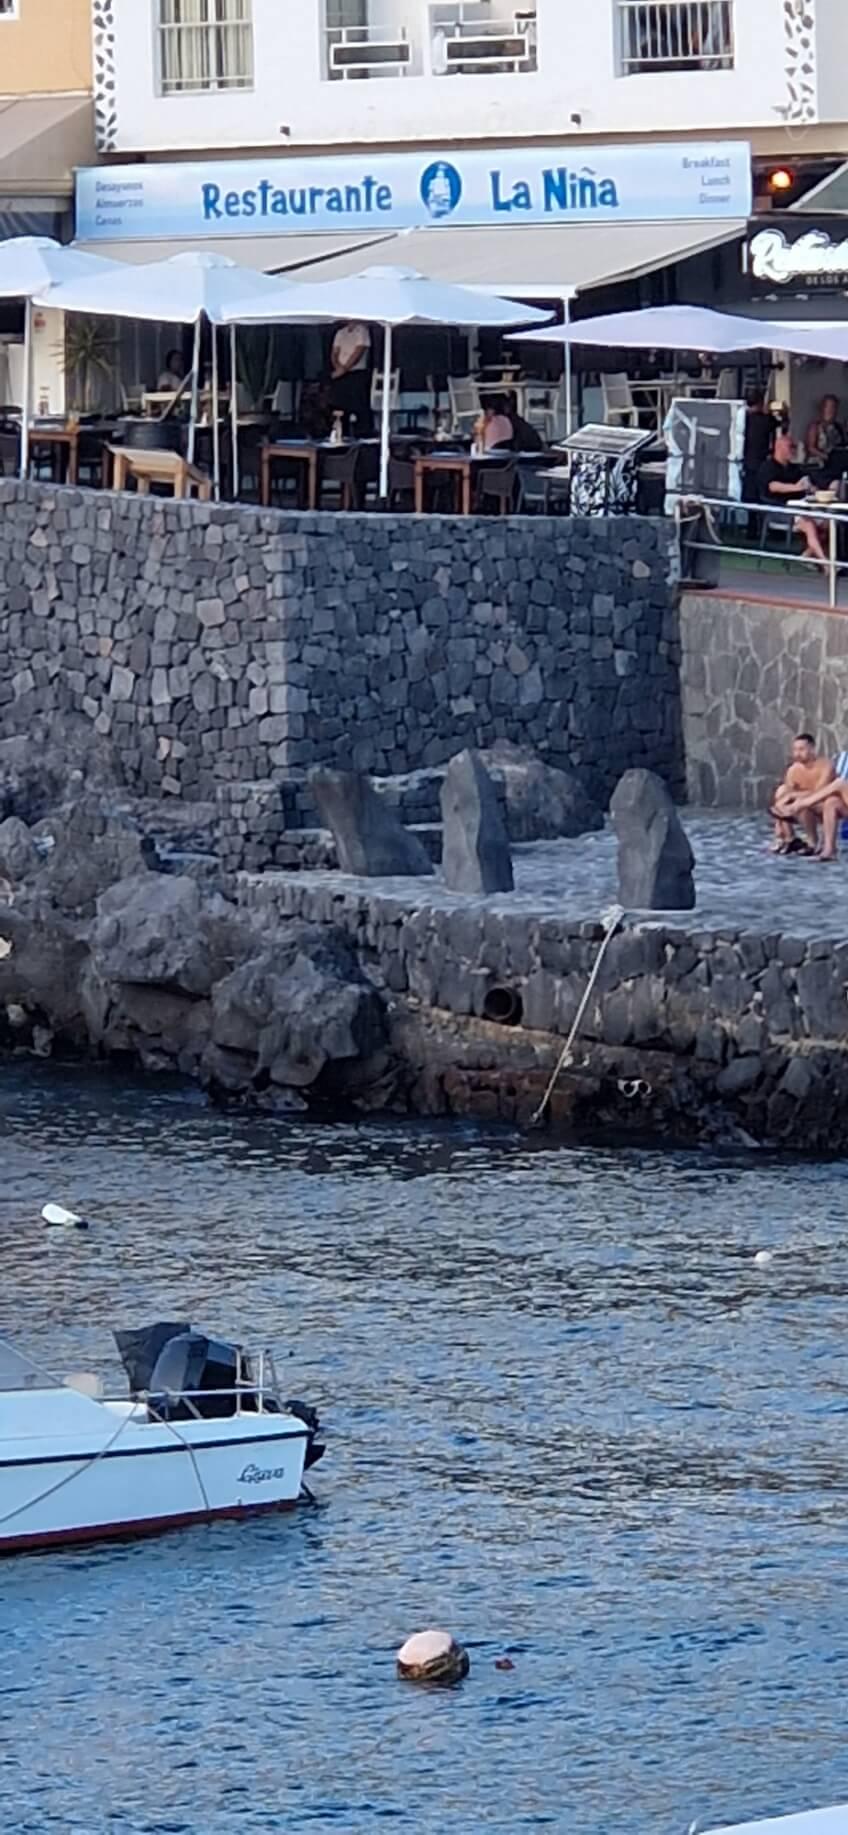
569	1419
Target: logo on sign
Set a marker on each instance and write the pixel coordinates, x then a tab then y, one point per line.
813	257
441	189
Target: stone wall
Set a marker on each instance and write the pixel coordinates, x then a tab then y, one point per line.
753	675
225	644
759	1019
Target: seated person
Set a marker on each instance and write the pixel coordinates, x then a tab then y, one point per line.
779	478
826	433
495	428
524	437
829	804
173	376
808	774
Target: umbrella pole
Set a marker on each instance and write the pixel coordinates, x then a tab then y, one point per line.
234	413
568	378
27	401
195	393
386	426
216	423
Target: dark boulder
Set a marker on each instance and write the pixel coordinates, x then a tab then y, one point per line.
543	803
655	861
369	838
158	930
475	846
19	856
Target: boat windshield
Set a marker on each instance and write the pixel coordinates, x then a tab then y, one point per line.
18	1372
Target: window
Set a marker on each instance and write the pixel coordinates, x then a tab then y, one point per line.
8	9
675	35
205	44
479	38
362	39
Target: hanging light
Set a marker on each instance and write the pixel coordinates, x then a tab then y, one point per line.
781	179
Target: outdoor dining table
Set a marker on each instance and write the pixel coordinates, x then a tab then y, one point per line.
303	452
62	437
151	466
460	466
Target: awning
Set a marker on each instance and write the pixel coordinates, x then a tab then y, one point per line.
268	254
42	140
541	261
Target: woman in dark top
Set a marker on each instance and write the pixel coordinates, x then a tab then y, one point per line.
826	433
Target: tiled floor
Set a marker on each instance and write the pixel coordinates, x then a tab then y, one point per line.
740	885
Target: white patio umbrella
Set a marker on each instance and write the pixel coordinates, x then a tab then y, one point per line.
663	328
387	297
183	289
31	269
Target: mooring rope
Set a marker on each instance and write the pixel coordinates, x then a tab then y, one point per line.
610	921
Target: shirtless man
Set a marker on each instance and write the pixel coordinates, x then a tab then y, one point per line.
805	788
829	804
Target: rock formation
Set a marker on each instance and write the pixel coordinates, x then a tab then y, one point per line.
655	861
101	955
475	847
368	836
542	802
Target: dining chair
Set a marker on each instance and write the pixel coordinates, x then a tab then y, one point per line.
338	471
496	485
377	392
401	484
466	405
619	406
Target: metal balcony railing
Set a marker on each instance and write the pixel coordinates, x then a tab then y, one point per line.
366	51
469	38
669	35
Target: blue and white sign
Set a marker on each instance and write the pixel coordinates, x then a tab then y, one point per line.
393	191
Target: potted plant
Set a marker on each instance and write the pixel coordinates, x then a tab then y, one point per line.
90	359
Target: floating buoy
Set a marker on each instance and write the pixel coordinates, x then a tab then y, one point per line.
763	1258
504	1663
432	1656
58	1218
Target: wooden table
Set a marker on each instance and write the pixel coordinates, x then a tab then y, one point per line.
305	452
60	436
460	466
158	467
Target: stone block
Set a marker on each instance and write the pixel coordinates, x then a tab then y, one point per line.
655	861
475	847
369	838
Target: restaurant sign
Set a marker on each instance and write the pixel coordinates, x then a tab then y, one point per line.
790	253
395	191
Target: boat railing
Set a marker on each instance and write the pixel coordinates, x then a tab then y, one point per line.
256	1377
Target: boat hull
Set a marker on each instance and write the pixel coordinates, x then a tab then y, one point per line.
143	1477
132	1530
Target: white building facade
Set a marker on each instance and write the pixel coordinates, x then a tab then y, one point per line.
183	76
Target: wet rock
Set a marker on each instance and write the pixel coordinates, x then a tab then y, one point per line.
655	861
297	1009
58	754
740	1074
475	848
155	929
19	856
432	1656
542	802
368	836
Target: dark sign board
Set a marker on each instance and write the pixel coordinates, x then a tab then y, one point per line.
786	253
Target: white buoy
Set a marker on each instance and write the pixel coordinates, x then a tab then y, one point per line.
59	1218
763	1258
432	1656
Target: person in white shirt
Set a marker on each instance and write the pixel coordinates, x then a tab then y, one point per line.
350	374
173	375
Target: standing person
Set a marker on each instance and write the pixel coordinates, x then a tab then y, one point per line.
759	428
350	376
780	478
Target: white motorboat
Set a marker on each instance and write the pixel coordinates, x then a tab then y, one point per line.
831	1821
202	1434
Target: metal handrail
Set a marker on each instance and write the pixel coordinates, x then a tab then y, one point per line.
833	514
